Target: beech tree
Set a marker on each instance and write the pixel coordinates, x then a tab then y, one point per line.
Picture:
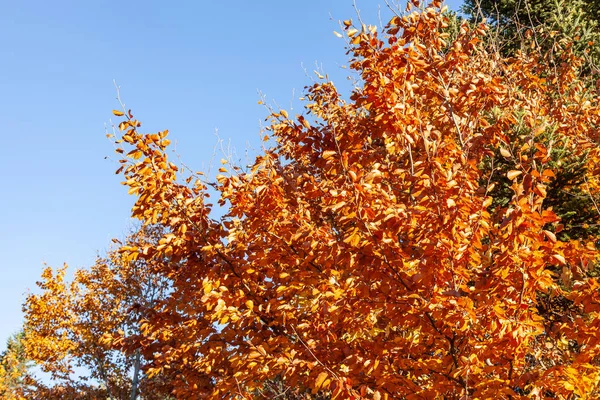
364	254
409	241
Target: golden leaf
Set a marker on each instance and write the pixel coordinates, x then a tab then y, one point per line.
513	174
551	236
559	258
328	154
320	381
354	238
487	202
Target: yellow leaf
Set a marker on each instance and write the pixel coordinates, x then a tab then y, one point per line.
513	174
353	239
328	154
551	236
320	380
135	154
356	40
538	130
541	190
118	113
559	258
337	34
353	176
250	304
207	286
253	354
505	153
395	21
261	350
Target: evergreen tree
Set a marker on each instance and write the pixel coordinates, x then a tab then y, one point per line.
14	369
556	24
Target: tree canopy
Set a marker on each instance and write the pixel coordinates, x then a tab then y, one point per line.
433	234
65	325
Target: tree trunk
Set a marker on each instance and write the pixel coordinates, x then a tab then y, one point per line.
136	374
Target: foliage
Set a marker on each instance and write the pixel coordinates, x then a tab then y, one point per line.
65	324
403	244
14	369
433	236
556	24
529	12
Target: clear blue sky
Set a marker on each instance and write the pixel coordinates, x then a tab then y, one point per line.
188	66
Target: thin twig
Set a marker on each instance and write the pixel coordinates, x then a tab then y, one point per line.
313	354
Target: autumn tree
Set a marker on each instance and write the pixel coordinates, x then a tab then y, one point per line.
403	243
66	322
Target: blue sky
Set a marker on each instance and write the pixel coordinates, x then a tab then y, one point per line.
193	68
